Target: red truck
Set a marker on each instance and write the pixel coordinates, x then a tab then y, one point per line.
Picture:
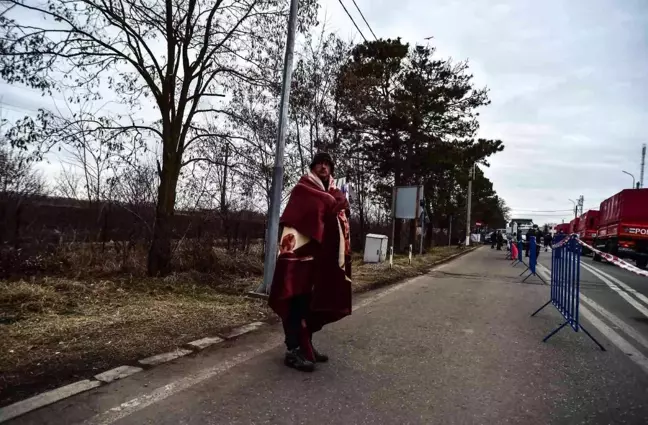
564	227
573	226
623	226
587	228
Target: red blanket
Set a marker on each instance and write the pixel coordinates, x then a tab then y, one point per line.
314	258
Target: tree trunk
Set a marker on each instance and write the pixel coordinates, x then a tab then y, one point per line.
159	258
223	189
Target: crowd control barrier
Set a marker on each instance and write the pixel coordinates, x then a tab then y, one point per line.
513	254
517	248
533	260
565	285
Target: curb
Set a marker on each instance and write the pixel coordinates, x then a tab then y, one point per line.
453	256
46	398
23	407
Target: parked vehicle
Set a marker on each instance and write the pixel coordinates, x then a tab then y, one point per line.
587	228
623	226
564	227
573	226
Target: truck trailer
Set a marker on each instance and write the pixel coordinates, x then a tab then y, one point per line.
563	227
587	228
623	226
573	225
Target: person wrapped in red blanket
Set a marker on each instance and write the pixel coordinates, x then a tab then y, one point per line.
311	286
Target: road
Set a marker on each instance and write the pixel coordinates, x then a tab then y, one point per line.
616	295
457	346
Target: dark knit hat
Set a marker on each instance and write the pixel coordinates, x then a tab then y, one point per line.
323	157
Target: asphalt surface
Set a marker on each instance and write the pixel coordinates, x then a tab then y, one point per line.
457	346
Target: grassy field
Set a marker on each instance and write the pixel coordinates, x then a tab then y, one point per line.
56	330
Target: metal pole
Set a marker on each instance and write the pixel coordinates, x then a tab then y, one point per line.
450	233
633	178
422	230
643	166
575	207
469	206
272	233
393	214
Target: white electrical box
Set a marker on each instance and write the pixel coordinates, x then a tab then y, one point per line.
375	248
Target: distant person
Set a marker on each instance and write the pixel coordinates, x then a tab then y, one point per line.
547	241
311	286
500	240
527	245
493	239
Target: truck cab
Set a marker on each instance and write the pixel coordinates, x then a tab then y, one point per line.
623	226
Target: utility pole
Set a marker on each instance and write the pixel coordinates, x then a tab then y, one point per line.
422	225
581	202
272	233
575	208
469	205
643	166
450	232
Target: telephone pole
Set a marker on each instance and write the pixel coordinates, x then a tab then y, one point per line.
469	205
272	233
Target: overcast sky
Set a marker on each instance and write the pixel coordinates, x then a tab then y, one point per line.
568	81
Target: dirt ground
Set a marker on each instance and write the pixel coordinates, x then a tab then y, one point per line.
56	330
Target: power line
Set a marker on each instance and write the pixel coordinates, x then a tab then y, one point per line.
354	23
365	20
542	211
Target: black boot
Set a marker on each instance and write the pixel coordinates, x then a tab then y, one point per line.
296	360
319	357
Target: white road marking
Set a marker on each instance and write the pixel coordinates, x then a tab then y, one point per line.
136	404
643	310
629	289
621	343
626	328
616	339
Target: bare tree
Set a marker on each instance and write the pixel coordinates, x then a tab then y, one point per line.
171	56
18	182
67	183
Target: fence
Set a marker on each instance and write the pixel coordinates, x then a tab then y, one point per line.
565	285
534	252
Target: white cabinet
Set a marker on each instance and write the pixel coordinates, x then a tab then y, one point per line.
375	248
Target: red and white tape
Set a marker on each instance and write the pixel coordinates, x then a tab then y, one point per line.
608	257
615	260
561	242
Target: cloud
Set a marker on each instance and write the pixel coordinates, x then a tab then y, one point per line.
568	87
567	80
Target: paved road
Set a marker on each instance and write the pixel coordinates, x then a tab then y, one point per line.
619	296
454	347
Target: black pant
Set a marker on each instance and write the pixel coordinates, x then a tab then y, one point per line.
299	306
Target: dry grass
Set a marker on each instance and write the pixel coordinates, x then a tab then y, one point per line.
54	330
372	276
57	330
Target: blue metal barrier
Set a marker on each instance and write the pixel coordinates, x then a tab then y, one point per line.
565	286
519	258
534	252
